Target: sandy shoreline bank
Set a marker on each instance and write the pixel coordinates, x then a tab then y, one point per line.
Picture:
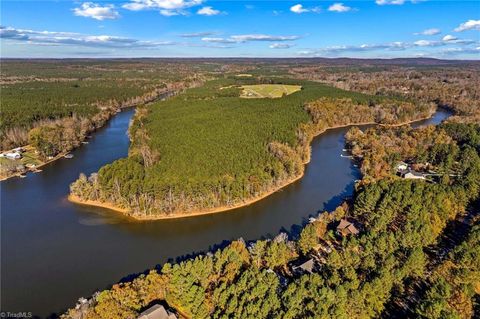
75	199
220	209
126	212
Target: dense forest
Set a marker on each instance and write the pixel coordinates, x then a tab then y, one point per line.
209	147
455	86
51	108
45	96
395	265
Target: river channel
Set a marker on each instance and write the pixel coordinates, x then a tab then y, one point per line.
54	251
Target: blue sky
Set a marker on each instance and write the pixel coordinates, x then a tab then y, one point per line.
202	28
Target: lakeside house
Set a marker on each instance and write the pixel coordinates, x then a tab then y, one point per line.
405	171
346	228
157	312
401	166
12	155
304	267
411	174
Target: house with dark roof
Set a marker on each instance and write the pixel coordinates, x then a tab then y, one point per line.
305	267
410	174
157	312
346	228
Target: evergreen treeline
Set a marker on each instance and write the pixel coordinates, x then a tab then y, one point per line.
208	147
354	276
41	95
453	289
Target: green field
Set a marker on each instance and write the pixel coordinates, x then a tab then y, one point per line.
268	90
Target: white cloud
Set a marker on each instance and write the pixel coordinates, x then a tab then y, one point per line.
6	32
263	37
385	2
395	46
165	7
339	7
242	38
208	11
339	49
298	8
454	51
280	46
468	25
449	37
432	31
197	34
427	43
171	13
396	2
218	40
96	11
68	38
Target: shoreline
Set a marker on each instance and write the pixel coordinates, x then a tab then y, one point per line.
36	169
61	155
220	209
75	199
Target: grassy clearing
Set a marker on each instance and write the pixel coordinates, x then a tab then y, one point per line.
268	90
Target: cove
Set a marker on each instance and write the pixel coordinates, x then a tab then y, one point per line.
54	251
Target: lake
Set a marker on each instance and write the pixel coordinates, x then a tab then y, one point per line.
53	251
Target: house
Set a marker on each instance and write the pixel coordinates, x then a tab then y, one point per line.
346	228
401	166
326	248
307	266
13	155
410	174
157	312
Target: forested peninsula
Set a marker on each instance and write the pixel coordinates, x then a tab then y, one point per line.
215	147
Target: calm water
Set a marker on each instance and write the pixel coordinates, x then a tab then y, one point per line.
53	251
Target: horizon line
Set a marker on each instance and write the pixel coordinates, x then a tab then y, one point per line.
241	57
